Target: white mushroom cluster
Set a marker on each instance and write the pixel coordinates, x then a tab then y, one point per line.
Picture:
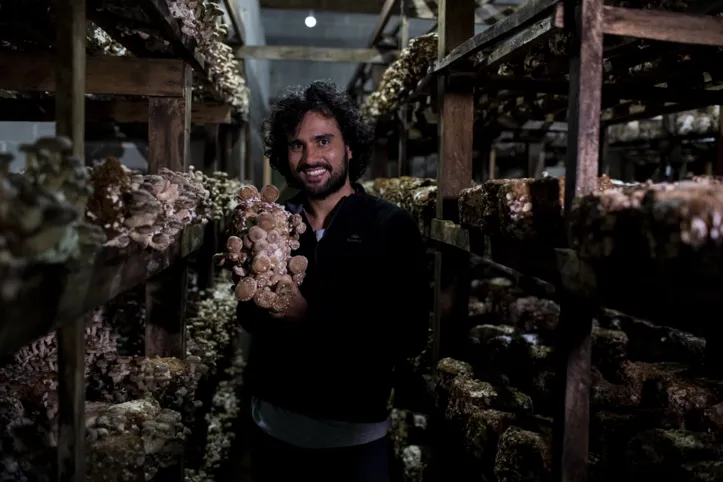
263	235
203	21
222	191
149	210
41	208
97	39
209	326
402	76
225	408
130	398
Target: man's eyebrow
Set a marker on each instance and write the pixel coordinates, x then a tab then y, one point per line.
317	137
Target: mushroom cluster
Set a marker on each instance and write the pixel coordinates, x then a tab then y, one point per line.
99	40
402	76
129	398
203	21
41	208
223	193
263	235
149	210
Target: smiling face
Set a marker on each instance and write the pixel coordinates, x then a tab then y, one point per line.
318	157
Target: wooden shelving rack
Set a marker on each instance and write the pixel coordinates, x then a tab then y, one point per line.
56	297
468	63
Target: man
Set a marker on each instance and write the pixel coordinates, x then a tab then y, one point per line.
321	373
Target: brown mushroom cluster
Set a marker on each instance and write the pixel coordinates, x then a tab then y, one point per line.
402	76
263	235
148	210
202	21
416	195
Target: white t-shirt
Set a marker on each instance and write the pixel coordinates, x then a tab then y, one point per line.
313	433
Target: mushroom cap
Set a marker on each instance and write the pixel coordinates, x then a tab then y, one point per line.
298	264
234	244
269	193
245	289
55	144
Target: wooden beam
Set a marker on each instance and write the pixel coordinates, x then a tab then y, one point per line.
356	6
122	111
316	54
103	75
236	21
384	17
661	25
68	73
169	127
476	43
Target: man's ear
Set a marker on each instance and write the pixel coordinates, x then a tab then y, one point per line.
348	152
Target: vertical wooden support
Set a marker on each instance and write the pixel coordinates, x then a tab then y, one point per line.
211	163
454	167
583	19
604	162
493	161
231	150
248	172
535	159
70	122
169	127
379	161
719	144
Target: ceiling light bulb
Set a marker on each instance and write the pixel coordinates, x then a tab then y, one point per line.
310	21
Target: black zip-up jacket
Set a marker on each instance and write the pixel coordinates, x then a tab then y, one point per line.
367	291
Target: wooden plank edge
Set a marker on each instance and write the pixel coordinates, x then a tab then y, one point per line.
186	243
662	25
118	110
104	75
508	26
316	54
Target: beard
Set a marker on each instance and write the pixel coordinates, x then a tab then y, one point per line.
336	180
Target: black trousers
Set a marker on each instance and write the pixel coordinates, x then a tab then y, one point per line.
273	460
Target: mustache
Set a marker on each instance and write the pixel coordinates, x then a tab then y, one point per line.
318	165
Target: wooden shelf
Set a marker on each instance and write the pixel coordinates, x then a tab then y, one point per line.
114	16
50	296
539	260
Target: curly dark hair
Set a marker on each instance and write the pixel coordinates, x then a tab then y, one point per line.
325	98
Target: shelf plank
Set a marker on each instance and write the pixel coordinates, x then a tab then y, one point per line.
663	25
48	296
148	16
504	28
104	75
118	110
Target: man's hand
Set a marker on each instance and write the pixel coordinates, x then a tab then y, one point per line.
296	305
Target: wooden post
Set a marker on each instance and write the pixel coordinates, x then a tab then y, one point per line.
248	155
454	166
583	21
535	159
493	161
70	122
379	161
211	163
719	144
169	127
231	152
456	119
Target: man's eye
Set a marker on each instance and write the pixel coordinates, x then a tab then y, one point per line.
295	147
324	142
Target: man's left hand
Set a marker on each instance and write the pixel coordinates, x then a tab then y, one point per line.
297	306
